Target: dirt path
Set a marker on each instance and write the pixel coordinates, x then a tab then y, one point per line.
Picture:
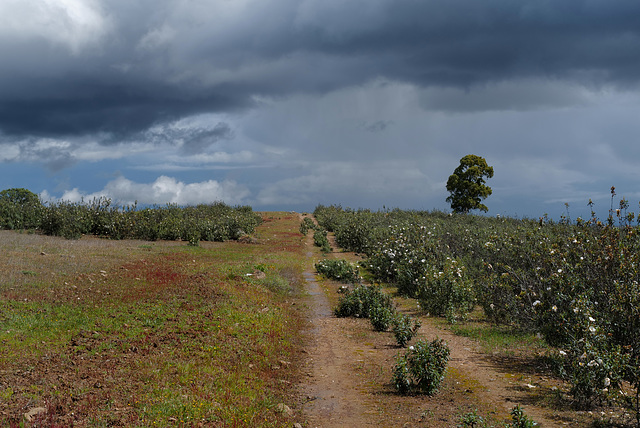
349	367
331	397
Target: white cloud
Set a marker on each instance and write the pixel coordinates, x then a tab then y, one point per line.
75	24
162	191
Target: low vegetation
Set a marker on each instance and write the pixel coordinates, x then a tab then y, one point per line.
421	368
22	210
139	334
575	283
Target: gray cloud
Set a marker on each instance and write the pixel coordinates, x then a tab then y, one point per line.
117	67
201	139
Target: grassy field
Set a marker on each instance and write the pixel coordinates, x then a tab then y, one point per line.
135	333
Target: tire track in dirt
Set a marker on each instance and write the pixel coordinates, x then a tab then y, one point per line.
331	396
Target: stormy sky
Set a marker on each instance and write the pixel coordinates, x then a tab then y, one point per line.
285	104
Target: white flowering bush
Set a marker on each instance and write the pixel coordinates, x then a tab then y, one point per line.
339	270
447	292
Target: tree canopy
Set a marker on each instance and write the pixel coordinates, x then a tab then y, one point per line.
467	184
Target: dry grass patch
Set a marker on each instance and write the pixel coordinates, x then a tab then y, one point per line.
131	333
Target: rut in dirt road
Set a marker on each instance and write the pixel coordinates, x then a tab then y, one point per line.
331	398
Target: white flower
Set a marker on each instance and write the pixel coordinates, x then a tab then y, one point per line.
592	363
607	382
562	353
592	319
536	303
554	308
576	310
411	348
592	329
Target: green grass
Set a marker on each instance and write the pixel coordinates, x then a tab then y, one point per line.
498	338
122	332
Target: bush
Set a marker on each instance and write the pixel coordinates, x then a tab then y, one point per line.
359	301
381	317
20	209
422	368
320	240
306	225
405	328
447	292
339	270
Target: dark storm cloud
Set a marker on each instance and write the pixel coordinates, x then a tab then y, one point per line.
120	67
377	126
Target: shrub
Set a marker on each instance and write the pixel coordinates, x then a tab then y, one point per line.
359	301
405	328
422	368
20	209
381	317
339	270
447	292
306	225
320	240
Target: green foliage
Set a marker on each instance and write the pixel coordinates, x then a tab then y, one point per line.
381	317
576	284
422	368
472	420
519	419
306	225
405	328
19	209
467	184
361	300
320	240
447	292
339	270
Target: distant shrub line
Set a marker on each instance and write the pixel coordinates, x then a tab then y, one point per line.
22	210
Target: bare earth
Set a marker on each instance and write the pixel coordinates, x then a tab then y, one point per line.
348	370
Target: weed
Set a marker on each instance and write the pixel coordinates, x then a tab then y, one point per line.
472	420
520	420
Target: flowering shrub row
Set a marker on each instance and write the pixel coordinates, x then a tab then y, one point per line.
578	284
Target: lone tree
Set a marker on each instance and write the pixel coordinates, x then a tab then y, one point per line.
467	184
